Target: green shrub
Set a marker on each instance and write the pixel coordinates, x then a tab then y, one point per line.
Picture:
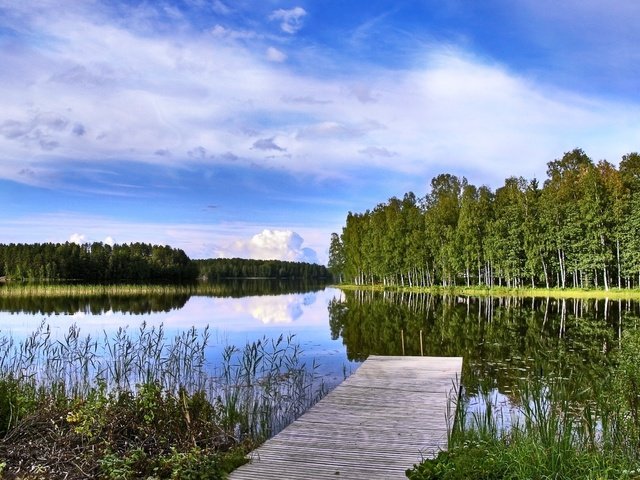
16	401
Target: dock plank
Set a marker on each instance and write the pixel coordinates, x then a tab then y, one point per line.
389	415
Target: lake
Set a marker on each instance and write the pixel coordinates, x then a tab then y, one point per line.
244	312
502	340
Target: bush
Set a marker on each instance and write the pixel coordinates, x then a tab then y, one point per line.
119	435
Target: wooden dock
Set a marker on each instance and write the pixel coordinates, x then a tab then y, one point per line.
389	415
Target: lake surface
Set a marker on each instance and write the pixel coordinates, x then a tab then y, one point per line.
502	340
247	312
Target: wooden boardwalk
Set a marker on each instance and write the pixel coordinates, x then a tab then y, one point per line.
380	421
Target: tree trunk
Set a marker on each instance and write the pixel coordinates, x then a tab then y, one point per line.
562	271
618	261
546	274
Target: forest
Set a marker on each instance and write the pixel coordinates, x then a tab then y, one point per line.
95	262
580	228
137	262
226	268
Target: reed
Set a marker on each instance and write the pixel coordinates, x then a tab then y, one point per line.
266	386
263	385
558	429
78	290
526	292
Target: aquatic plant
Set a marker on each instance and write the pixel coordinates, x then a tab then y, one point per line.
128	404
559	429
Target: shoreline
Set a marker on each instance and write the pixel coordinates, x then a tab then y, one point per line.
596	294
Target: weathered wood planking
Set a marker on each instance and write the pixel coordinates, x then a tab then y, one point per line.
380	421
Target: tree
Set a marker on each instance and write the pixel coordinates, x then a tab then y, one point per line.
336	257
630	228
441	221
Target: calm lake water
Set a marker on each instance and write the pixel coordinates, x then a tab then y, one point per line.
248	311
501	339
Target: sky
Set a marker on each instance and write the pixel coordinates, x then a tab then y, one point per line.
237	128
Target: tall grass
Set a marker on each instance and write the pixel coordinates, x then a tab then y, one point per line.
495	291
75	290
265	386
260	387
555	429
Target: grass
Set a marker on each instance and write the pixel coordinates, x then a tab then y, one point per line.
554	433
138	404
611	294
78	290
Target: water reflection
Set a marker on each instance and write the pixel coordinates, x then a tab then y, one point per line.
247	287
502	340
95	305
233	319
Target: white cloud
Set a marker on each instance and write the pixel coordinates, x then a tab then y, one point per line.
272	245
275	55
378	152
275	309
220	7
197	240
78	238
222	32
90	100
81	239
291	20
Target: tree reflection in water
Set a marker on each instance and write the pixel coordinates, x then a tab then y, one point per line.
502	340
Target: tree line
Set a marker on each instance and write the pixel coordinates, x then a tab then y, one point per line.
137	262
95	262
579	229
226	268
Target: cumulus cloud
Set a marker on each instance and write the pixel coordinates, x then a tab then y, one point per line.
290	20
198	240
275	55
81	239
283	245
78	238
275	309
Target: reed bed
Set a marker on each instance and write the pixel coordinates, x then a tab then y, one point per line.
133	397
82	290
551	430
526	292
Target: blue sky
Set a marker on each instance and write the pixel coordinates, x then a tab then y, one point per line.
251	128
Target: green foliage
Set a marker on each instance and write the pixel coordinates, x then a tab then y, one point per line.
565	429
579	230
626	387
16	401
233	268
96	262
194	464
523	458
142	406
